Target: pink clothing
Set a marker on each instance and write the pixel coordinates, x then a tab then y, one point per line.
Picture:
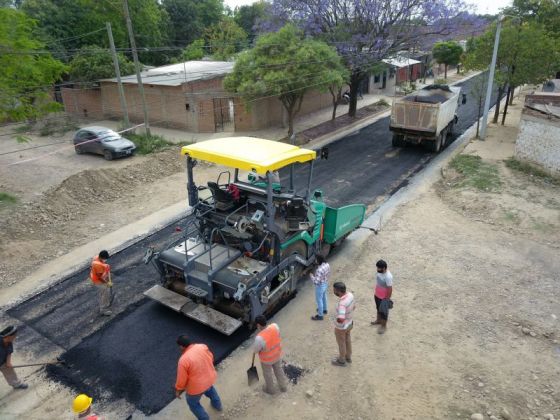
344	310
381	292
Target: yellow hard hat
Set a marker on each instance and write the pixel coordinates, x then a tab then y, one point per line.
81	403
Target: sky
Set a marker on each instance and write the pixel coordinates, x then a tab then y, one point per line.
483	6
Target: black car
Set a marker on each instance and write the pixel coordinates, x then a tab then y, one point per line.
102	141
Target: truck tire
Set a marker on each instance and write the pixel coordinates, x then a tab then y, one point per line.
398	140
436	145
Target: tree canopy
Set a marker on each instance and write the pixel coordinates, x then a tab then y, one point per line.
248	17
194	51
287	65
225	39
190	18
365	32
92	63
447	53
67	25
26	78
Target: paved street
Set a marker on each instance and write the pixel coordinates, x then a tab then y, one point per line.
133	355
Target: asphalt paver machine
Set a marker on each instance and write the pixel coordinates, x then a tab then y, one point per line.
250	238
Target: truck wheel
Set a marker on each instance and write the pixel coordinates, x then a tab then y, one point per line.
435	145
398	140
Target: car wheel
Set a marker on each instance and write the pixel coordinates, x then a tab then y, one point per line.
108	155
78	150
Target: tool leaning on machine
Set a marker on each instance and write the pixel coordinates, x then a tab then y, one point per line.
250	239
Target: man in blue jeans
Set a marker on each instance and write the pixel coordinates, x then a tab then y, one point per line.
196	376
321	281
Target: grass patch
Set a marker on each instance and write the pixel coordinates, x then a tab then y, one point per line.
511	216
382	102
531	170
476	173
149	144
6	198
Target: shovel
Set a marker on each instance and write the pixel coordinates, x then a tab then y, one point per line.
58	361
111	292
252	374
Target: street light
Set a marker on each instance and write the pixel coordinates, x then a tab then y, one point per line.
491	76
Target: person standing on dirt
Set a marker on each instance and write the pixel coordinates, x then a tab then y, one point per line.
100	275
343	324
196	376
268	345
8	336
383	292
83	408
321	281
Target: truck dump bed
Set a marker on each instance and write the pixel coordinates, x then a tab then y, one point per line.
428	110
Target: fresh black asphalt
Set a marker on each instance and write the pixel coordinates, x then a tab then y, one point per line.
133	354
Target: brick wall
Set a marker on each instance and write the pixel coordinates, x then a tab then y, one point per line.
538	142
82	102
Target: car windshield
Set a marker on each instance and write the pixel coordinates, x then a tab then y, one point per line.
108	135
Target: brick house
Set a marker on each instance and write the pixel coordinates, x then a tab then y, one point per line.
398	70
187	96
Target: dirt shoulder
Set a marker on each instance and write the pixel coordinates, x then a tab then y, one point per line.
474	328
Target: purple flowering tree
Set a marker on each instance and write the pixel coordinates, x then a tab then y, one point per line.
366	31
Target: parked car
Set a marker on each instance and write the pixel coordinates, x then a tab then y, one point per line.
102	141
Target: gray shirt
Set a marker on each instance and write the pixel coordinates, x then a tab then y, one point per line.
384	279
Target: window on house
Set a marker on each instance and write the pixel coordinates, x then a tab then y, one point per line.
188	107
376	78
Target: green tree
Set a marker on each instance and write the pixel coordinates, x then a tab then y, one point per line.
26	78
92	63
284	64
526	54
189	18
447	53
194	51
225	39
67	25
248	16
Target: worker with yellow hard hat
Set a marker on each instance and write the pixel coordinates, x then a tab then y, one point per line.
82	407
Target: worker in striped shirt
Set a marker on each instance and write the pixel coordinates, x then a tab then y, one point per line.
321	281
343	324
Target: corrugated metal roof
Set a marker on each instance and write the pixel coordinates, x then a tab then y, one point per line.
401	61
177	74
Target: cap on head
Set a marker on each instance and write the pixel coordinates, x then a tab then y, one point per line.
104	254
261	320
8	331
184	341
81	403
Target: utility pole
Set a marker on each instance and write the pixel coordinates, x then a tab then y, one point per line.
118	73
136	66
491	79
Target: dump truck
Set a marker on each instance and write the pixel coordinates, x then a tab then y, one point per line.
426	116
250	237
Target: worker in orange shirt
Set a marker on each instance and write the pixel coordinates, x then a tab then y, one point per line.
196	376
100	275
268	345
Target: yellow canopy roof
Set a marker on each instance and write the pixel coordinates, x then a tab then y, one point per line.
248	153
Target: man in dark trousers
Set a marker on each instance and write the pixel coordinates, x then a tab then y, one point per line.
8	336
383	291
196	376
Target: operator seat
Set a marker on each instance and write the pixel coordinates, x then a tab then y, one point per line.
223	200
296	213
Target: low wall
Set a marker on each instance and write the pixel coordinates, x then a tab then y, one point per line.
538	142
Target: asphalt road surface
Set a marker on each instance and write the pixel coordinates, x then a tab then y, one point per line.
133	354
